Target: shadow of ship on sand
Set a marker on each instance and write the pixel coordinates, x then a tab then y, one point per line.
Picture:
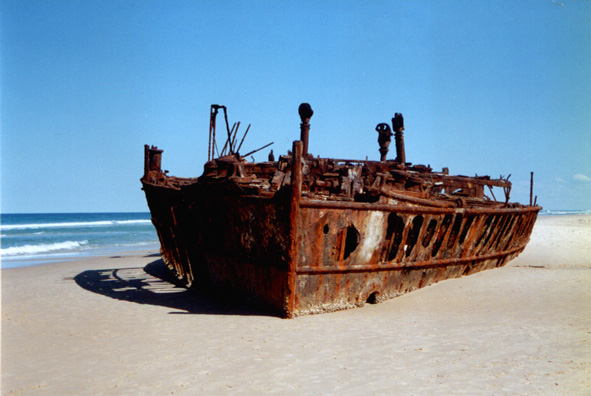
155	285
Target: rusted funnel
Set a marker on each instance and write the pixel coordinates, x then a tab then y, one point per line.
306	113
398	126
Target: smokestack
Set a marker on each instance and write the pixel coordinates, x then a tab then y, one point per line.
306	113
398	126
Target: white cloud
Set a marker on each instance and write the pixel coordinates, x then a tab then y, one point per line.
583	178
559	180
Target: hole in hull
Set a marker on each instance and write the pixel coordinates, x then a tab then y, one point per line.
394	234
346	243
441	234
455	230
429	233
373	298
351	241
413	235
469	221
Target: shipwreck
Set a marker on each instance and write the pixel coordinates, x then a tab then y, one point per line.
304	235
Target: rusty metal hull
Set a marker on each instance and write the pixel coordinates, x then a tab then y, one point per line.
224	242
398	250
305	234
321	256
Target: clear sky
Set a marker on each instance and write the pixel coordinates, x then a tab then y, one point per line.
486	87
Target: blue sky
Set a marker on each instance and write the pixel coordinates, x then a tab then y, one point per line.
497	87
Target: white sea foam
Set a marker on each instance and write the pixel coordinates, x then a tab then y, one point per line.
133	222
6	227
42	248
564	212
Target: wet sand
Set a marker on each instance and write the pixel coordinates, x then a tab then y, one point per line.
112	326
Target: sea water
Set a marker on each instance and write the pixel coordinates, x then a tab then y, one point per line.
28	239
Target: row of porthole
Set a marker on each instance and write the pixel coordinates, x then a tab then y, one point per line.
503	224
348	238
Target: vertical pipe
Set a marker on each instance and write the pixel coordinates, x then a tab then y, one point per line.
212	147
213	143
305	130
146	160
400	154
306	113
210	130
398	126
531	188
294	228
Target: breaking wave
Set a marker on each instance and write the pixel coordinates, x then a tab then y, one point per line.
42	248
72	224
564	212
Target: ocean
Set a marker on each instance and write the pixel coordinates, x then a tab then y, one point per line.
29	239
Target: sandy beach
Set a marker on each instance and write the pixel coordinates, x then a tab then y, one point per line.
112	326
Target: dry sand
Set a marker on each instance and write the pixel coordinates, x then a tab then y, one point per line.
104	326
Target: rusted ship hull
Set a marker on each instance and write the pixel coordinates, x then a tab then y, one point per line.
298	252
402	250
301	263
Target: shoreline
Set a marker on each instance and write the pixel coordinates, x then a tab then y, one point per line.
112	325
31	261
